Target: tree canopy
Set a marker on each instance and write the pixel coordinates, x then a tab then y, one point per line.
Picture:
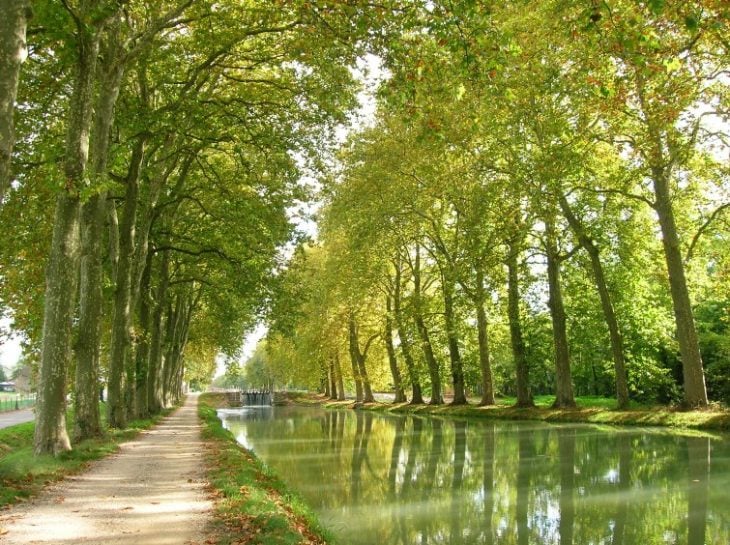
538	205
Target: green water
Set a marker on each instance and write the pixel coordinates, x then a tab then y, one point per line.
399	480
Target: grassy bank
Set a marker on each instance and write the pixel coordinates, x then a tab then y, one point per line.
22	474
252	505
592	410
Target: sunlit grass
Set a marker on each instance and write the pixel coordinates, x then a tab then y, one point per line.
599	402
590	409
253	505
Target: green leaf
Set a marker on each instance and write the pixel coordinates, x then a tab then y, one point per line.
692	23
672	65
656	6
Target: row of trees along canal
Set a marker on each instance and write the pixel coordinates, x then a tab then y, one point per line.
570	152
539	206
154	163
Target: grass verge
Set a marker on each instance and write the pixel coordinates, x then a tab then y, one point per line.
23	475
590	410
253	507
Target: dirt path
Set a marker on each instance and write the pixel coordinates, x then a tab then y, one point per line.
150	493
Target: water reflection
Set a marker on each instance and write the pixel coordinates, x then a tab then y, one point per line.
395	480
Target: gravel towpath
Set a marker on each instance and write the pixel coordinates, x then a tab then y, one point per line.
152	492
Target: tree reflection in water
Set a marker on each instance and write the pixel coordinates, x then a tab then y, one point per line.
405	480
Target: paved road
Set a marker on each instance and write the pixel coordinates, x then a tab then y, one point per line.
11	418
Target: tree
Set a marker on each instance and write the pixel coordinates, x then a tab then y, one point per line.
14	15
51	436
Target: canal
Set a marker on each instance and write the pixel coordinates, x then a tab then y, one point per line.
377	479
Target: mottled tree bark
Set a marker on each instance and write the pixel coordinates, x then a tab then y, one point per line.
522	371
172	335
429	356
339	379
87	421
14	16
660	161
353	350
154	381
359	359
326	383
400	396
563	381
332	394
142	355
121	335
452	337
62	270
405	342
485	365
695	391
51	436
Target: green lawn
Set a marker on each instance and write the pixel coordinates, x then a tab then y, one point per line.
598	402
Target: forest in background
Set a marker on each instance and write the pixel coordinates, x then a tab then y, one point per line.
540	204
539	207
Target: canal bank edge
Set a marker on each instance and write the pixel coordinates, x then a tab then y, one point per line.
252	505
703	420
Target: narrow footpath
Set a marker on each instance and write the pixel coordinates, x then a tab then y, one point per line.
152	492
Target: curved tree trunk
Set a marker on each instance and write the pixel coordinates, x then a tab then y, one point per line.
172	341
695	391
563	381
327	381
617	343
660	162
360	356
14	16
366	388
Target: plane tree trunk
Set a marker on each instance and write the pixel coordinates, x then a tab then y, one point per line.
51	436
14	15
